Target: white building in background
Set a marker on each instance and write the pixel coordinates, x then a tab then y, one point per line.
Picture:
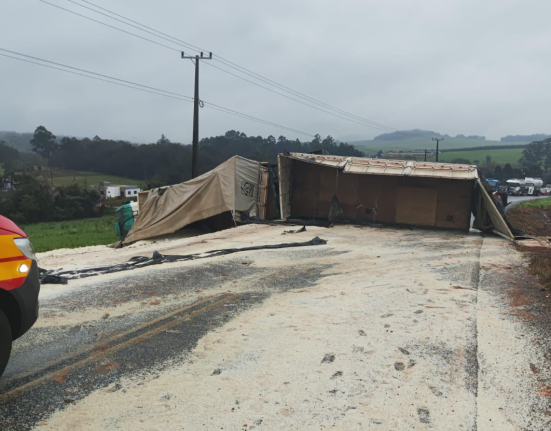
110	192
107	191
130	191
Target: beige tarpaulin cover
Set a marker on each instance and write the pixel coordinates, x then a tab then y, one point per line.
232	186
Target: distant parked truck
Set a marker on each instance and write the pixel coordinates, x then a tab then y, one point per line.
526	187
533	186
515	187
494	183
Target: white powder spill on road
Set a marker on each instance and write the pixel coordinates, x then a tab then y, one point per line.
390	339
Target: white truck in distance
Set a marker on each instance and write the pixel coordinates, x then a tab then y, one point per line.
526	187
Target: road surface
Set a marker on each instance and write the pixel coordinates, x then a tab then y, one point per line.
382	329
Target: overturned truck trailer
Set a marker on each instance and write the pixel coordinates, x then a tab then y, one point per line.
400	192
219	196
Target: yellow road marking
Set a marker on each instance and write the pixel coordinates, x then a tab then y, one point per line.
94	357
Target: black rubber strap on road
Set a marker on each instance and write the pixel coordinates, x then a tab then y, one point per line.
60	277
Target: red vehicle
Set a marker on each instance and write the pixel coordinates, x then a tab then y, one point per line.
19	287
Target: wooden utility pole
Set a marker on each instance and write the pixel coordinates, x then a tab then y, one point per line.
437	142
196	103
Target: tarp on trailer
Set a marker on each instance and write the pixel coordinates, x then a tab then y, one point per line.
232	186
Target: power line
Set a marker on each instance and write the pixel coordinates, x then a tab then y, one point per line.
144	88
107	25
348	116
93	73
298	101
92	77
222	60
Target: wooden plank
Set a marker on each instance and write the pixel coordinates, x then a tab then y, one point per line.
263	195
500	227
284	172
416	206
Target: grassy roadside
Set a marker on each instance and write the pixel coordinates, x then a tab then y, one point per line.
72	234
542	204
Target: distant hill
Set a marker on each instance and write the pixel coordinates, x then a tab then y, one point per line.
529	138
421	143
20	141
418	133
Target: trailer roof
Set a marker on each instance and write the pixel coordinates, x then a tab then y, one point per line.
364	165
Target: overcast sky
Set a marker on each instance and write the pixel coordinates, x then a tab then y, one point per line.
453	66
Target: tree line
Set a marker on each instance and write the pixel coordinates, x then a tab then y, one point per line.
32	201
157	164
165	162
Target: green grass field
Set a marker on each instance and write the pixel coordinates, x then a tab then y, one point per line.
501	156
64	177
72	234
371	147
542	204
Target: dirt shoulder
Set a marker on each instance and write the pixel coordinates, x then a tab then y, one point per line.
535	222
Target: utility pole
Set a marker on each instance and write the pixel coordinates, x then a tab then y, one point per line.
196	102
437	142
426	151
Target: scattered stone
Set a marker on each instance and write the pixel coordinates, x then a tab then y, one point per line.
411	363
216	372
418	311
361	333
399	366
384	316
328	358
424	416
435	391
337	374
404	351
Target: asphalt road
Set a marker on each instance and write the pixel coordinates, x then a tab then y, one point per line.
380	329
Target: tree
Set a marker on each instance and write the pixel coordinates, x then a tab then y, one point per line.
488	159
507	172
547	163
163	140
43	142
379	154
498	173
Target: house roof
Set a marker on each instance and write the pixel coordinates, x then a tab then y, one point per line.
409	168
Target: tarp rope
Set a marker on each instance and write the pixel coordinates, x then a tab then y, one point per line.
61	277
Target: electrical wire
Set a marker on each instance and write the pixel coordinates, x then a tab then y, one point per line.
223	61
296	100
110	26
348	116
93	73
136	86
93	77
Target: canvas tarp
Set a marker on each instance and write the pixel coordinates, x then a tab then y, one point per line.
232	186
